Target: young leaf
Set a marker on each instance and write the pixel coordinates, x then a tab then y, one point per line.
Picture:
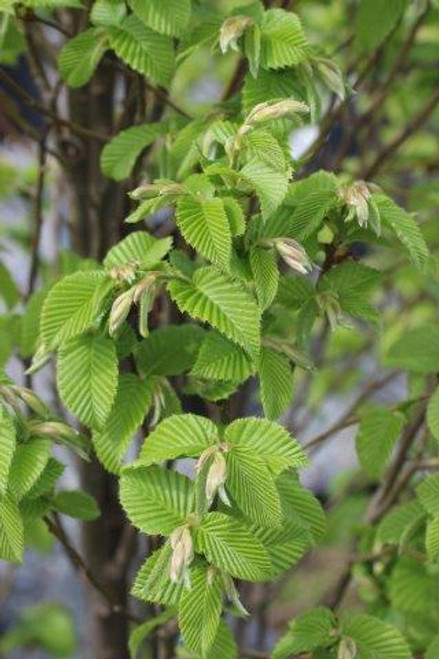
141	633
130	407
153	583
176	436
251	484
11	530
81	55
307	632
170	350
227	544
432	539
395	524
265	274
120	154
373	637
283	42
76	504
269	440
87	378
269	183
214	298
428	494
433	414
220	359
71	307
107	12
200	609
156	500
300	507
27	465
417	350
377	433
375	20
7	448
284	544
276	380
164	16
139	249
205	226
144	50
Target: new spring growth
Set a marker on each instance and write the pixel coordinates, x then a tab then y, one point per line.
142	291
361	205
182	553
161	188
231	30
293	254
268	111
216	478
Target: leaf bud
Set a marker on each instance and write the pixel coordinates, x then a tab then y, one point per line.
231	30
293	254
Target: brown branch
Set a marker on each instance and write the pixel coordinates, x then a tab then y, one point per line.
41	109
38	217
56	529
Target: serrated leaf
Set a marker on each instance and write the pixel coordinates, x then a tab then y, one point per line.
433	414
71	307
7	448
107	12
156	500
377	433
205	226
130	407
300	507
141	633
80	56
416	350
412	590
87	378
170	350
144	50
308	631
229	546
312	199
251	484
405	227
153	583
30	322
269	184
27	465
120	154
224	646
164	16
266	86
262	145
283	42
214	298
235	215
76	504
373	637
140	249
428	494
394	525
178	435
265	272
351	282
375	19
295	291
276	382
11	530
432	538
269	440
285	546
47	479
8	288
220	359
200	610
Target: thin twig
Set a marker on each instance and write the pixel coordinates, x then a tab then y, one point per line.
38	217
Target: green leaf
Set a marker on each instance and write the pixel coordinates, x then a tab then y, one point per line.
130	407
269	440
27	465
220	359
144	50
200	609
295	291
120	154
235	215
47	479
395	524
164	16
375	638
312	199
205	226
433	414
71	307
276	380
416	350
156	500
141	633
87	378
107	12
30	322
412	590
433	649
227	544
269	183
76	504
139	249
178	435
283	42
285	546
153	583
170	350
265	274
375	19
7	448
351	282
252	485
224	646
11	530
81	55
225	304
377	433
266	86
405	227
307	632
8	288
300	507
428	494
432	539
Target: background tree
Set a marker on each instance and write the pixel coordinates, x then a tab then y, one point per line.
210	270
